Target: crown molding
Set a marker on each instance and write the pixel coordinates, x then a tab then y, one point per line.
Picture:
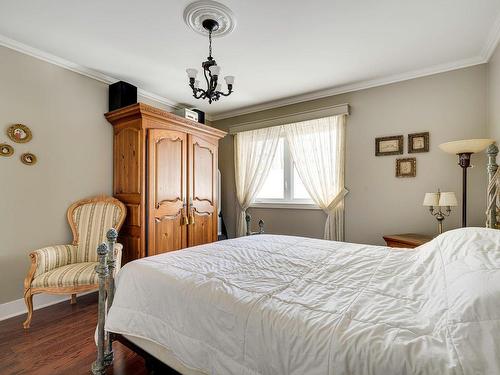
484	57
492	41
69	65
362	85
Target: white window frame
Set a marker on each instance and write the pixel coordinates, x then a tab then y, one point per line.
288	201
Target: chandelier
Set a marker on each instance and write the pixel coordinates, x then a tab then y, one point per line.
211	71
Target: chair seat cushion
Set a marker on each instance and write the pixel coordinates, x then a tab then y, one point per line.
71	275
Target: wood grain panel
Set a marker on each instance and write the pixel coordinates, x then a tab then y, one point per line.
131	245
167	154
169	179
203	190
133	214
127	161
168	237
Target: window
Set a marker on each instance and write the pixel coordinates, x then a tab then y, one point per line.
283	185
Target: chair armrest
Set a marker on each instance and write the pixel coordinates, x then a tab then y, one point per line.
51	257
48	258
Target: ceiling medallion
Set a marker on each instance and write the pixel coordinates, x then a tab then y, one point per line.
199	11
211	71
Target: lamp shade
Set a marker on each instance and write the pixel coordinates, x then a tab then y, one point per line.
431	199
191	72
214	70
448	199
466	146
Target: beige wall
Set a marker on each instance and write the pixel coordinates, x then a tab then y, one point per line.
450	106
494	96
73	143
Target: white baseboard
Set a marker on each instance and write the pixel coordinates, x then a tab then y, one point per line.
18	307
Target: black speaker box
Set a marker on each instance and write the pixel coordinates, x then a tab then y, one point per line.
121	94
201	115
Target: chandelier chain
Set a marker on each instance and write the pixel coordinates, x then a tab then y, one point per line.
210	43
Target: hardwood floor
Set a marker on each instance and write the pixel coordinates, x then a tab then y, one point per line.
60	341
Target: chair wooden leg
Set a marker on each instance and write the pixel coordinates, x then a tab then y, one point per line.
28	299
73	299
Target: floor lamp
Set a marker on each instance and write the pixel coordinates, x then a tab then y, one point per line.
464	149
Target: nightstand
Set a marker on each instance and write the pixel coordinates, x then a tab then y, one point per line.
407	240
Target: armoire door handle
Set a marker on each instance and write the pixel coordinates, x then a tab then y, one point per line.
184	219
191	212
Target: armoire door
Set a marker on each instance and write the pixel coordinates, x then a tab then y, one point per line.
167	171
202	185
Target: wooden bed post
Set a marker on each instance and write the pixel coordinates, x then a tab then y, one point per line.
111	236
493	181
99	367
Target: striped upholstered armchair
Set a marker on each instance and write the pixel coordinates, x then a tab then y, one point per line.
70	269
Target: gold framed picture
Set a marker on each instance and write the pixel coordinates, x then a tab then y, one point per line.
406	167
389	145
418	142
19	133
28	158
6	150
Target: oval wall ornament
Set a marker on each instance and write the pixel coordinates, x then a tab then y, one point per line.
199	11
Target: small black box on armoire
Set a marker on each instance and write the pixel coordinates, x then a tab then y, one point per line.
121	94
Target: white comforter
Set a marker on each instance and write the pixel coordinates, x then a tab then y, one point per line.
288	305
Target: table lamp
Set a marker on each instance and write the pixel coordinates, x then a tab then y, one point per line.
437	200
464	149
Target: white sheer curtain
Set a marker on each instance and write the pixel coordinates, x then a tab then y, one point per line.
253	155
318	148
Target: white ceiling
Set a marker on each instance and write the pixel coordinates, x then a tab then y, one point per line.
279	49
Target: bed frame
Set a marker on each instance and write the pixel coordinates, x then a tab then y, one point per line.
493	197
106	270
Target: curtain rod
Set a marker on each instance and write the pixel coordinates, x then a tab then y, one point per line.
311	114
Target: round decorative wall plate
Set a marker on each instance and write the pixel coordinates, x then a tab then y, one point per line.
6	150
199	11
28	158
19	133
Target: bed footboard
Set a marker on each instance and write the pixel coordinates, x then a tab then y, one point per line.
105	271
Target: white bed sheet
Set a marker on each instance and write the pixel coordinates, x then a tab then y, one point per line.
288	305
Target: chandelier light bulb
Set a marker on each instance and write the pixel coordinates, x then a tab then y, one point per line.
229	80
218	87
215	70
191	72
196	84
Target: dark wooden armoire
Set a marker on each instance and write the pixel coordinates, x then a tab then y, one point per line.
165	171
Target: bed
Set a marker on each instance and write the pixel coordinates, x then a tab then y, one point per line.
272	304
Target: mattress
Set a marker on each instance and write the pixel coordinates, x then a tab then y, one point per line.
272	304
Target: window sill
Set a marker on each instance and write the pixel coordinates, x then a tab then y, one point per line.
286	205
